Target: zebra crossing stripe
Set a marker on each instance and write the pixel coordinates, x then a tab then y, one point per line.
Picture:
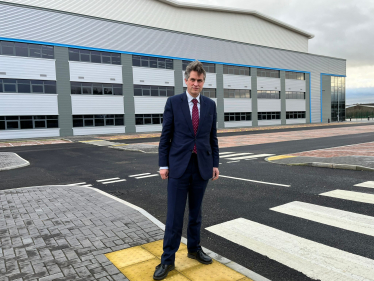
222	153
235	154
263	182
78	183
350	195
369	184
249	157
329	216
107	179
313	259
108	182
132	176
156	175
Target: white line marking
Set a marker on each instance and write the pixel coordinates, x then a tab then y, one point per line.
222	153
107	179
264	182
315	260
350	195
334	217
139	175
87	185
78	183
236	154
147	176
248	157
369	184
233	161
108	182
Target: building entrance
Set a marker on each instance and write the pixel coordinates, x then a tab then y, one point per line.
337	99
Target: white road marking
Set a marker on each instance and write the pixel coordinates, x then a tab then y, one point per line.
248	157
235	154
222	153
108	182
78	183
313	259
351	195
156	175
107	179
233	161
264	182
369	184
139	175
87	185
334	217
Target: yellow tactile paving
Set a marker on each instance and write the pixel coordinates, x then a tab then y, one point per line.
279	157
138	264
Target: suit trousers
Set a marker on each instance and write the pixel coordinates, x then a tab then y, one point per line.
190	185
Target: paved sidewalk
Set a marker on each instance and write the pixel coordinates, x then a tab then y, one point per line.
64	232
350	157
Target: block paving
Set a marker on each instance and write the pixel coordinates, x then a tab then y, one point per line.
64	232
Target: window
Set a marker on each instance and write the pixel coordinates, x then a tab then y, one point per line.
28	122
295	95
27	86
98	120
78	88
295	75
208	92
268	115
209	67
148	119
295	114
94	56
236	70
268	73
232	93
152	62
268	94
238	116
26	50
154	91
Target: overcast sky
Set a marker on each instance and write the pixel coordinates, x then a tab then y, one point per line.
342	28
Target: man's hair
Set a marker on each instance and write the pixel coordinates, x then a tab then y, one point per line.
194	66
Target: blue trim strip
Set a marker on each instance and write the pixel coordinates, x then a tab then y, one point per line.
310	98
327	74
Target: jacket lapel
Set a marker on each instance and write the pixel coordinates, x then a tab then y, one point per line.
186	112
203	112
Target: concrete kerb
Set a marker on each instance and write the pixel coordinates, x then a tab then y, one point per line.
24	164
237	267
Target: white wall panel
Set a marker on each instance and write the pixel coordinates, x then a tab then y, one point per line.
266	83
210	80
28	104
295	105
87	104
32	133
148	128
237	105
95	72
268	105
296	121
236	82
236	124
295	85
102	130
27	68
153	76
147	105
269	122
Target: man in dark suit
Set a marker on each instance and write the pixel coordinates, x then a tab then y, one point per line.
188	158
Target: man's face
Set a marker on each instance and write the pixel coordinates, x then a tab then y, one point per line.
195	83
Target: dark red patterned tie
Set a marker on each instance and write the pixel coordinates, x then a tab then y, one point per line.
195	120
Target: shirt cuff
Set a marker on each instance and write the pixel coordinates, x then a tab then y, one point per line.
164	168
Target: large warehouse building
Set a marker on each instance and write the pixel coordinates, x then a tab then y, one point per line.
81	67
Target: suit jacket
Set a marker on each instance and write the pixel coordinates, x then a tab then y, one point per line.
178	138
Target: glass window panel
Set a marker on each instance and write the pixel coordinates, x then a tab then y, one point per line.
135	60
226	94
26	117
147	120
117	90
7	48
95	56
1	86
23	86
225	69
109	122
97	89
86	89
10	87
146	90
26	124
84	55
50	88
77	122
88	116
52	124
139	121
48	52
145	61
137	91
153	62
236	71
116	59
2	125
227	118
156	120
12	125
21	49
11	118
169	64
161	63
154	91
74	54
108	90
40	124
119	121
162	91
99	121
88	122
106	58
170	92
35	51
76	88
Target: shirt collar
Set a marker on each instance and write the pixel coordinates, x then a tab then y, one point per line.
190	98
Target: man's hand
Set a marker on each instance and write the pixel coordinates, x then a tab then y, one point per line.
164	173
215	174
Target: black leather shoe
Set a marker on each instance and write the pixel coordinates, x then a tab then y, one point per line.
162	271
200	256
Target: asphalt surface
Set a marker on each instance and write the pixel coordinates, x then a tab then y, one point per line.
225	199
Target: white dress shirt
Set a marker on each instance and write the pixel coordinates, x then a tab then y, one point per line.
190	105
